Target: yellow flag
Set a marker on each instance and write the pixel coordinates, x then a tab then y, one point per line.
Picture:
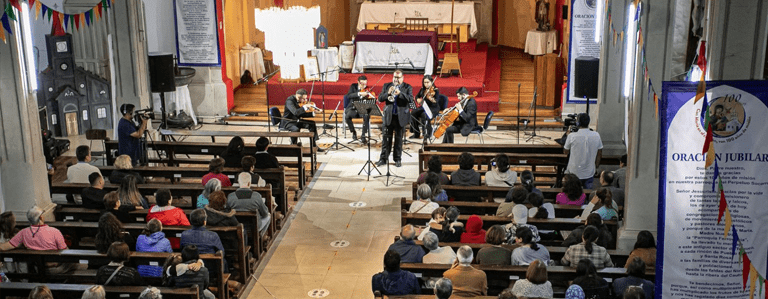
61	20
2	35
727	222
752	280
710	154
700	89
38	7
82	19
656	105
621	36
640	39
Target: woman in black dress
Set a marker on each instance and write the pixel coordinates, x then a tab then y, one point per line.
427	100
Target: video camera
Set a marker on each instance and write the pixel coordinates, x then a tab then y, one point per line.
147	113
571	122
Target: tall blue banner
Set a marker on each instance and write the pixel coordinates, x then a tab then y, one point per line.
713	215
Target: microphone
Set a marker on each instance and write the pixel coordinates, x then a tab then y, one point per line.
409	62
518	85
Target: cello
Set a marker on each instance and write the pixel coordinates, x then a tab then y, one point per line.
447	118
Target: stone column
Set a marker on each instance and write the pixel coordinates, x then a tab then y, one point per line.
23	177
208	92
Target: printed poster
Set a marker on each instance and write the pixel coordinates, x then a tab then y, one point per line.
582	42
197	40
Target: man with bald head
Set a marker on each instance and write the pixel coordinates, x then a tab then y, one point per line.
408	250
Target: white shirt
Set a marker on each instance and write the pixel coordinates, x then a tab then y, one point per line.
79	172
442	255
583	146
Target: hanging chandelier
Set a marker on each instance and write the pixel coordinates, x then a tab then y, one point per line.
288	34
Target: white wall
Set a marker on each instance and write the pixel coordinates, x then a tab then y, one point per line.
161	34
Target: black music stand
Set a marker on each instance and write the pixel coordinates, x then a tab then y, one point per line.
336	122
368	108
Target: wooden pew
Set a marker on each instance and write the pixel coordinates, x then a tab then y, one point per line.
510	148
63	290
542	224
76	231
176	173
489	208
486	193
172	149
39	258
483	160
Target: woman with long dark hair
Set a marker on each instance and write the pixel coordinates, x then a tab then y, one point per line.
434	165
587	249
645	249
7	226
427	100
234	152
593	285
527	180
528	251
111	230
433	181
573	193
129	194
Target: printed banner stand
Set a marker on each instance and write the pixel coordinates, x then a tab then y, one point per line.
197	38
713	219
581	43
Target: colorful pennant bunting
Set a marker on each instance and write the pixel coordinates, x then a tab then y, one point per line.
59	21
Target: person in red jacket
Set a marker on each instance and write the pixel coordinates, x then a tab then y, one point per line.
475	232
165	212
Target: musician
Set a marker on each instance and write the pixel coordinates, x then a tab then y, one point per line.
296	107
356	93
467	119
397	114
426	99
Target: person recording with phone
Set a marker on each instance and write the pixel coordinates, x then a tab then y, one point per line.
129	135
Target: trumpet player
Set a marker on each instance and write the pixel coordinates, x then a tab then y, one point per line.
397	114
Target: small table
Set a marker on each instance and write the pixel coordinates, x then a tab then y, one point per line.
328	60
541	42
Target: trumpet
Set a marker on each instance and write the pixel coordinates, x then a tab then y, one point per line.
391	92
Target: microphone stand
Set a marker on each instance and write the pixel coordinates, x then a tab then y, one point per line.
533	134
518	113
333	115
323	77
388	174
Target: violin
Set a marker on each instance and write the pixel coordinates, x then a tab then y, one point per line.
429	95
310	106
446	119
371	96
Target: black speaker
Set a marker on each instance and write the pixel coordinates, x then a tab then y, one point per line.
585	81
565	12
161	73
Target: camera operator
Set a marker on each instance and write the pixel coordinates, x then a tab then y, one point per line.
586	149
129	135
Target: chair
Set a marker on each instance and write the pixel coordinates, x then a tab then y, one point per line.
442	100
417	24
479	130
275	117
94	134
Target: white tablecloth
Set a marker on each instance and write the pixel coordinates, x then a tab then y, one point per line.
438	13
347	54
176	101
394	55
328	60
251	59
541	42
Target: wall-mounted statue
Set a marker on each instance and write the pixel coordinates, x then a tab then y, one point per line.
542	15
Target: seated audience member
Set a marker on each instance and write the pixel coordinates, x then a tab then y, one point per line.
597	254
116	273
575	292
507	294
152	239
424	205
433	181
528	251
450	229
527	180
110	231
38	236
151	293
408	251
467	281
634	292
218	213
165	211
474	232
645	249
535	284
608	209
636	277
466	175
234	152
434	165
393	280
606	181
129	194
519	221
93	196
247	163
40	292
593	219
7	226
620	175
263	158
94	292
573	193
539	209
437	254
438	215
245	199
124	166
593	285
501	175
443	288
78	173
515	197
186	271
496	254
215	167
113	205
211	186
205	241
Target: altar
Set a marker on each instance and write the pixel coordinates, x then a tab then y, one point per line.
380	15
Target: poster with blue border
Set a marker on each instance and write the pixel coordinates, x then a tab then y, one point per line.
581	43
197	35
713	219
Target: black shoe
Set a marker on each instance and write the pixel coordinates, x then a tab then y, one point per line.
398	164
364	140
414	136
320	150
381	162
354	135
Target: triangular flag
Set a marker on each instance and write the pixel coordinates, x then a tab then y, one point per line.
56	27
16	4
745	271
656	104
60	16
99	9
88	18
707	124
702	60
735	236
77	21
701	89
50	12
9	11
38	5
66	21
72	23
6	23
714	177
728	222
721	208
2	35
82	19
752	281
710	155
30	3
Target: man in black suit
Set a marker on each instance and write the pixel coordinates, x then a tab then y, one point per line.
355	94
467	119
294	111
397	115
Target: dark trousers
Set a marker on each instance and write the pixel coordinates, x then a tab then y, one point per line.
448	138
418	119
351	113
396	129
295	126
